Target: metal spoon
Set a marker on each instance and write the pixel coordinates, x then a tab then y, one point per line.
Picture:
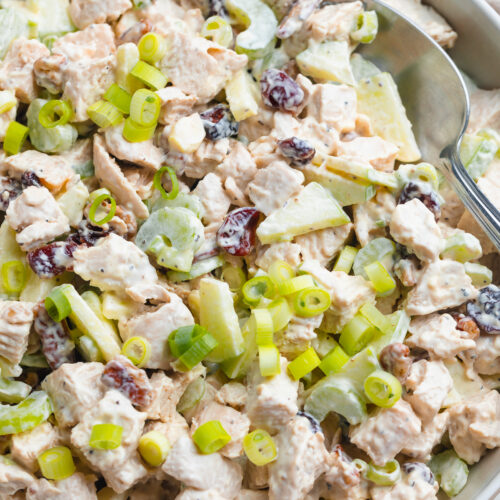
436	101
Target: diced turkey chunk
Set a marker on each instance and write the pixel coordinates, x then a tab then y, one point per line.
86	12
334	105
295	339
420	447
386	432
52	170
203	472
428	384
15	323
117	265
235	423
27	445
233	394
427	19
271	401
486	355
174	104
302	458
213	197
109	175
438	335
485	110
143	153
36	217
324	244
289	252
414	225
16	70
379	153
156	327
273	186
129	473
193	494
13	478
442	285
475	425
76	487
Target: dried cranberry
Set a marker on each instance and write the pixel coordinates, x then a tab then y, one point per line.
298	150
315	427
279	91
29	178
485	310
88	234
10	189
219	122
52	259
122	375
57	347
237	233
395	358
425	472
424	193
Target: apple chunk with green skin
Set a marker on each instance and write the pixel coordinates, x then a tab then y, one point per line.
218	316
312	209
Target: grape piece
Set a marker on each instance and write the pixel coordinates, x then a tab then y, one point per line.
219	123
395	359
29	178
121	374
52	259
279	91
57	347
10	189
237	233
485	310
298	150
425	472
424	193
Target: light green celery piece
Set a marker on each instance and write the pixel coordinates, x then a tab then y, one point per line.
218	316
26	415
259	37
49	140
347	191
238	366
359	367
14	24
327	61
400	323
88	349
301	215
37	289
183	200
363	68
477	153
462	247
479	274
450	471
9	369
422	172
9	251
491	135
197	269
379	249
13	391
93	301
323	344
379	99
52	17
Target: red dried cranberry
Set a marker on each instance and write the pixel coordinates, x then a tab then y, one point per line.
395	359
298	150
237	233
219	122
10	189
424	193
57	347
485	310
279	91
29	178
122	375
52	259
87	234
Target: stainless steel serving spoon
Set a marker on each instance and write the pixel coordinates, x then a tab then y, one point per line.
436	101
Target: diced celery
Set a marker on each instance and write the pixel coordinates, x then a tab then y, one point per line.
462	247
399	323
363	68
422	172
52	17
378	98
376	318
327	61
323	344
94	302
243	96
480	275
14	24
491	135
197	269
379	249
477	153
88	349
116	307
359	367
13	391
183	200
301	215
450	471
238	366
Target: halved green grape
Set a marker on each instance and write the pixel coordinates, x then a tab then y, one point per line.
106	436
356	334
152	47
479	274
192	395
379	249
154	448
384	475
56	463
334	361
304	364
450	472
367	27
345	259
211	437
256	288
269	360
382	389
380	278
462	247
311	302
218	30
259	447
259	37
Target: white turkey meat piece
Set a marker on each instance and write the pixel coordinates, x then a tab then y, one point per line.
174	104
285	251
213	197
16	319
486	355
13	478
86	12
380	153
77	487
233	394
194	494
485	110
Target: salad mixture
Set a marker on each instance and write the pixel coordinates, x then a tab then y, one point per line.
225	270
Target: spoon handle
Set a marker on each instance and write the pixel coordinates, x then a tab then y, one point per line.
485	213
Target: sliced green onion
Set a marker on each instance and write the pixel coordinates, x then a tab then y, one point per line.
98	192
54	113
234	277
180	340
261	322
149	75
7	100
152	47
154	448
259	447
218	30
361	465
382	388
13	276
356	334
57	305
376	318
15	136
296	284
200	348
450	472
311	302
304	364
138	350
256	288
133	132
334	361
56	463
96	204
281	313
145	108
345	259
173	180
119	98
381	280
106	436
280	271
269	360
104	114
384	475
211	437
367	27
